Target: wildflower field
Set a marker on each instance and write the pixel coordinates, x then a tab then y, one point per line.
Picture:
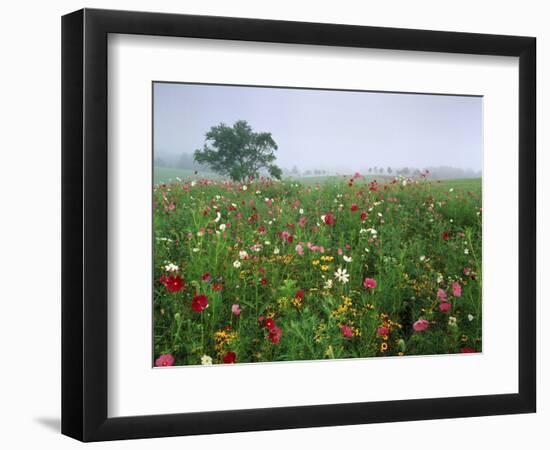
324	268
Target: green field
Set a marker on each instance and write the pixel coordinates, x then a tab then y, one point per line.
295	270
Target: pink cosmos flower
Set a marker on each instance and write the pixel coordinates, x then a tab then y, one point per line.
382	331
340	251
467	271
369	283
235	309
441	295
421	325
164	360
457	290
444	307
300	250
346	331
302	221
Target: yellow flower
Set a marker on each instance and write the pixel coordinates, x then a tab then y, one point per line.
383	346
325	268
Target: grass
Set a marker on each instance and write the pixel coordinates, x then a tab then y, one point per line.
266	259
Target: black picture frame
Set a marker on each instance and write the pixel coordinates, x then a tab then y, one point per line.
84	224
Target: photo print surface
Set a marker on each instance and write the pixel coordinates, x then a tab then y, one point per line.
298	224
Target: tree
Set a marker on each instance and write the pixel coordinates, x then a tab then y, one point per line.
238	152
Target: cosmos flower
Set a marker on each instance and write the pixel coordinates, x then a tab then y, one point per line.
164	360
275	334
199	303
206	360
171	267
348	259
236	264
172	283
445	235
328	218
382	331
444	307
230	357
457	289
346	331
341	275
441	295
421	325
369	283
235	309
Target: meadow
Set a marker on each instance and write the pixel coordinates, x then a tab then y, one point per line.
340	267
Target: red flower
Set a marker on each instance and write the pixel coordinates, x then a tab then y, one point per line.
164	360
329	219
205	276
373	186
217	287
300	294
382	331
264	281
275	334
363	215
445	235
354	207
230	358
467	350
173	283
270	323
290	239
199	303
261	229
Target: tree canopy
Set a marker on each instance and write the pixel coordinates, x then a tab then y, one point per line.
238	152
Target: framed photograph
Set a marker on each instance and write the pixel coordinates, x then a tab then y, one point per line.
272	224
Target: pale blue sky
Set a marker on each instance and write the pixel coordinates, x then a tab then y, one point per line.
334	130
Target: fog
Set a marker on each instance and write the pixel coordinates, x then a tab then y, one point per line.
336	131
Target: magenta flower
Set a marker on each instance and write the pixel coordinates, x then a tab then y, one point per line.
457	290
300	250
164	360
444	307
383	331
346	331
236	309
369	283
441	295
420	325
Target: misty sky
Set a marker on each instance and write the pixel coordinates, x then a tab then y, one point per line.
333	130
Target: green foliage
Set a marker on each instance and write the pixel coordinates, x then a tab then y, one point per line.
238	152
203	227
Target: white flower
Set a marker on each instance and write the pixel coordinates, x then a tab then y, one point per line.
218	217
451	190
422	258
171	268
470	317
193	183
218	197
200	233
328	284
367	250
342	275
276	251
196	250
439	278
379	214
244	188
223	227
323	218
348	259
243	254
267	243
206	360
236	264
466	251
452	321
301	211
